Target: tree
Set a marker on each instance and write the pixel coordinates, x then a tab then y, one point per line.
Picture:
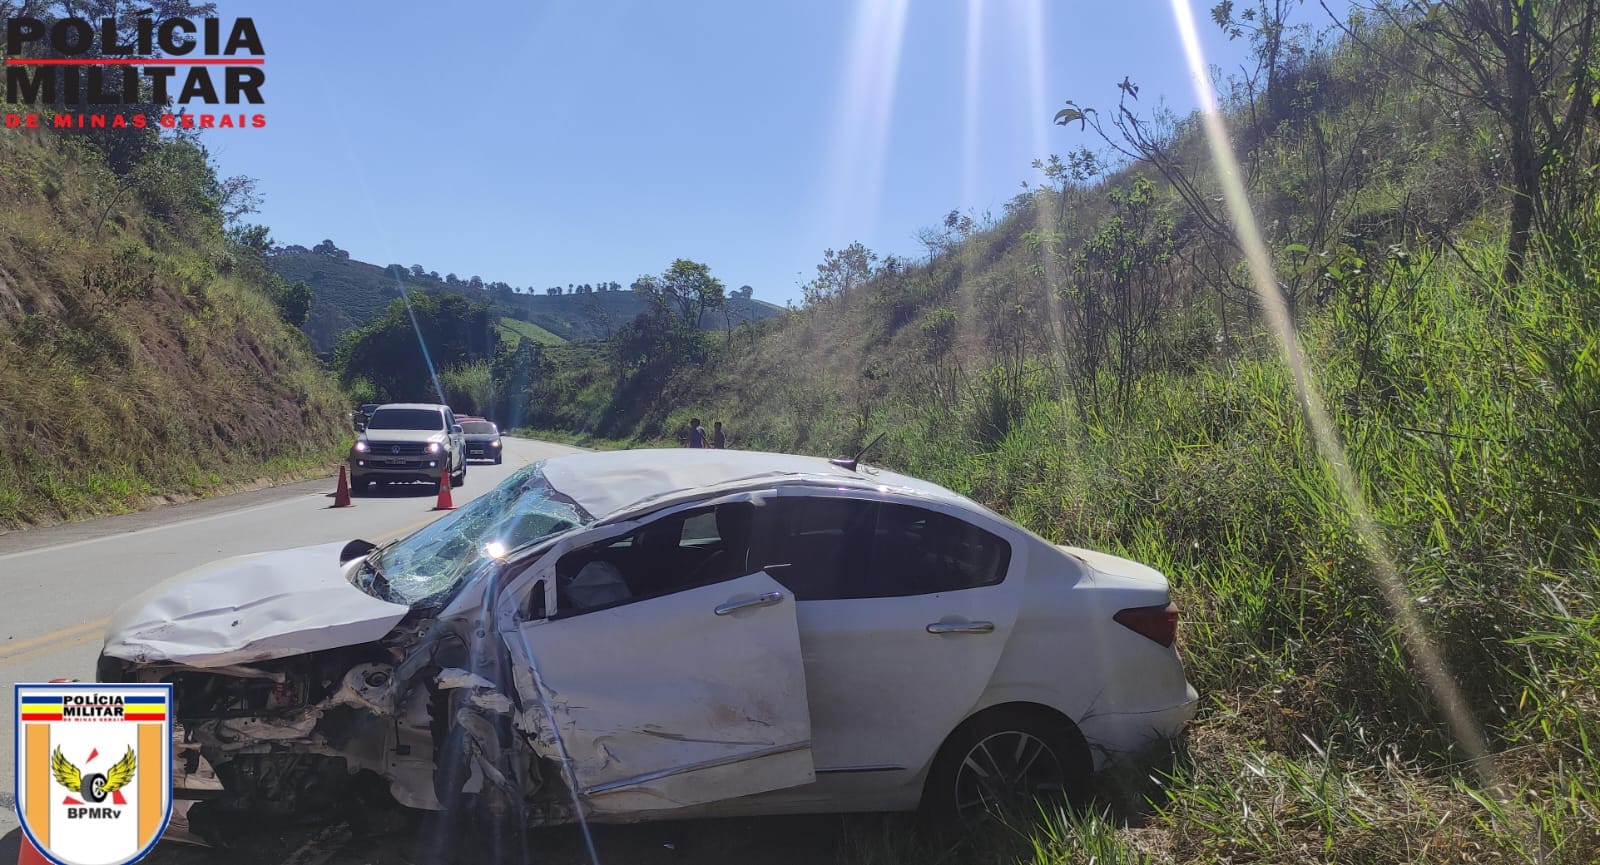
236	197
475	282
388	351
840	273
1273	41
294	303
553	290
327	248
417	271
452	279
1531	64
1121	278
687	288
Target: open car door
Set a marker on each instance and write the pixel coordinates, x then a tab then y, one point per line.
676	700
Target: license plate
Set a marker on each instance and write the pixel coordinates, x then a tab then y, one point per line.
397	461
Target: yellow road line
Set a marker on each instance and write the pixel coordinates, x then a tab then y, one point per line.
52	648
19	648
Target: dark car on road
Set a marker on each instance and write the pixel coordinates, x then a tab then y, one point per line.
482	439
363	414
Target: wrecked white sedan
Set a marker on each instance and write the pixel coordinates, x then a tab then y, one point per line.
662	633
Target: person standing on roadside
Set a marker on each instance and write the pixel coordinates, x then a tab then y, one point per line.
719	439
697	434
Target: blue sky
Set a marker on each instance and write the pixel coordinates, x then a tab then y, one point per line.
558	141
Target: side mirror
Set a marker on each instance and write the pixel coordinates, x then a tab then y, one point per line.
355	549
455	428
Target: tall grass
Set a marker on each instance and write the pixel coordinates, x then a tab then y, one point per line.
1471	423
137	359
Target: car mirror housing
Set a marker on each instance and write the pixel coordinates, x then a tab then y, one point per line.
455	428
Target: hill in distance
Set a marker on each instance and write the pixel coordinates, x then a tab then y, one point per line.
348	293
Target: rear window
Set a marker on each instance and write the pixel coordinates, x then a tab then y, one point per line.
827	548
407	418
479	427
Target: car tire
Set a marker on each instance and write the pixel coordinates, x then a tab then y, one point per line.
460	477
1001	761
498	459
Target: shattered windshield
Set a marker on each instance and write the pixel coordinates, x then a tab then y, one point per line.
427	566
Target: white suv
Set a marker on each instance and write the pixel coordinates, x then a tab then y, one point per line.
408	442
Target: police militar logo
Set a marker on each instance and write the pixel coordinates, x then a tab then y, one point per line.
132	72
94	770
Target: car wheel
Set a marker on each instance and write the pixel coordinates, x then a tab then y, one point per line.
1001	762
498	459
460	477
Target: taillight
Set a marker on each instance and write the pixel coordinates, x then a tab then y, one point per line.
1156	623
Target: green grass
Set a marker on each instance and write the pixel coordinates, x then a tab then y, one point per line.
582	440
513	328
138	358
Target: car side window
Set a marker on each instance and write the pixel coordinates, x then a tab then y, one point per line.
834	549
917	551
676	552
819	547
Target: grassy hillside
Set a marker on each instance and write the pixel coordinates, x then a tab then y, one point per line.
512	329
141	353
1094	365
348	293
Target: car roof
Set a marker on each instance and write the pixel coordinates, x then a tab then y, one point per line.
607	482
426	406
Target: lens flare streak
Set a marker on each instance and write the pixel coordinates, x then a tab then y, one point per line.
1435	673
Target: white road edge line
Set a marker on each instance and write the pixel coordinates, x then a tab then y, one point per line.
161	528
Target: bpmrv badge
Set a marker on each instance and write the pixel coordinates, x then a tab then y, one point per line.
94	770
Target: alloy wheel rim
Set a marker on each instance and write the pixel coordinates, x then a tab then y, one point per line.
1004	773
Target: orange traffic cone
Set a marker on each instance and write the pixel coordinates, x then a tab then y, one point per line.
27	854
445	503
341	496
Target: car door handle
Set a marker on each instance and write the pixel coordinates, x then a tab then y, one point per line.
961	628
765	600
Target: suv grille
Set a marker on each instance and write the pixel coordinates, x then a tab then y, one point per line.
396	449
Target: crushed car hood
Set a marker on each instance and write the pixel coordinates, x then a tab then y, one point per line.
250	608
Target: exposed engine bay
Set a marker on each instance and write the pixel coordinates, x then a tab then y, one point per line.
415	719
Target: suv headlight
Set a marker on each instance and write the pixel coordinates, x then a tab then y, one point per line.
495	443
361	447
434	447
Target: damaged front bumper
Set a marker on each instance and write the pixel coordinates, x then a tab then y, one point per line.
338	733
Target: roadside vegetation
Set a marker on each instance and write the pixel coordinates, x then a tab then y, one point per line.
1093	363
145	350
